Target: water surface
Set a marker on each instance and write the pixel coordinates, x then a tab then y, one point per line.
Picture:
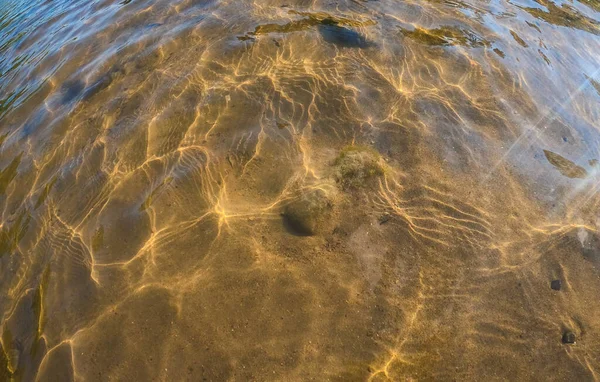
299	190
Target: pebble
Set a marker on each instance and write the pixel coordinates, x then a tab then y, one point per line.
568	337
386	217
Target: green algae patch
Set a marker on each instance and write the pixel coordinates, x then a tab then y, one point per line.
358	166
5	373
565	16
11	355
445	36
9	173
309	20
98	239
11	236
45	192
565	166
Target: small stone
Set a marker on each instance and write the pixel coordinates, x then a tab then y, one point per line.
309	213
384	218
568	337
555	284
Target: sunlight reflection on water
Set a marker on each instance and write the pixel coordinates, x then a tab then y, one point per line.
294	190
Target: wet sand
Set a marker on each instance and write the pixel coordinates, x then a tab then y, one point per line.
295	190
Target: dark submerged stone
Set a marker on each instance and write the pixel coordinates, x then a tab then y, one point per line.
71	90
568	337
333	33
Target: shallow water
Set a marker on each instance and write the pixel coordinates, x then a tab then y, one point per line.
294	190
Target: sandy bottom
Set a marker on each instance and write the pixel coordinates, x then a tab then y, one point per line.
294	190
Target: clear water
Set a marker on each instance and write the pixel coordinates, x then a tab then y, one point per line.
299	190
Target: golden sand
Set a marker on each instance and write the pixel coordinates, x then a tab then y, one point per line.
299	190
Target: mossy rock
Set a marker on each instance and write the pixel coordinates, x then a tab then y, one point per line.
309	213
358	166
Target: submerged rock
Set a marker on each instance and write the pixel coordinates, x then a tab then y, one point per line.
555	284
309	213
71	90
356	166
337	34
